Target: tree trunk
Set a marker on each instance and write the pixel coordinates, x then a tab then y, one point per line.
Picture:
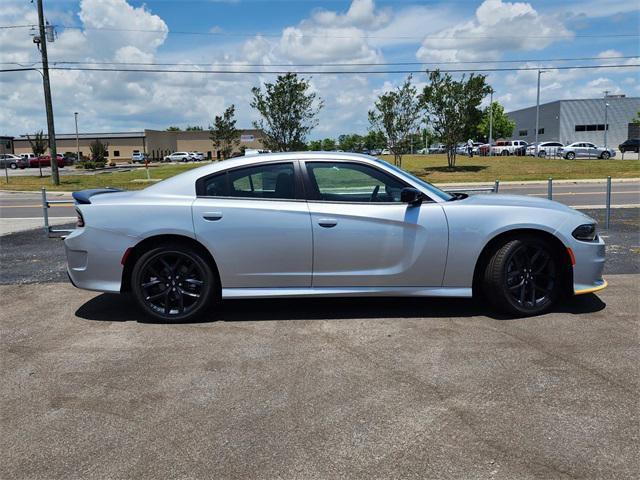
451	158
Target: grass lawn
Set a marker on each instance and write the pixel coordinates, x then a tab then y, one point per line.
432	168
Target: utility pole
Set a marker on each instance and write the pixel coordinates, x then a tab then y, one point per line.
75	116
540	72
491	124
606	126
51	133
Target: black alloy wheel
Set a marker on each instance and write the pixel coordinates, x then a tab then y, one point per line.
173	284
523	277
530	276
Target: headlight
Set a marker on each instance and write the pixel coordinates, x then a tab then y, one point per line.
586	233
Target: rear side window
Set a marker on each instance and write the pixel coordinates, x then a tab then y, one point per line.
268	181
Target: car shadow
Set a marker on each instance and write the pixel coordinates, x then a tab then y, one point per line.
122	308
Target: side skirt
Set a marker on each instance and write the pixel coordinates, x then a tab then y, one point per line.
347	292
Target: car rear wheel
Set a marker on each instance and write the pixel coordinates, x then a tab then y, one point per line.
173	283
571	156
13	166
504	153
605	155
542	154
523	277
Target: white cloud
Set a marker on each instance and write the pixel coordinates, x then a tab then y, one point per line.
497	27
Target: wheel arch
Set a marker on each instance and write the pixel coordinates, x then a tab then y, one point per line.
145	245
503	237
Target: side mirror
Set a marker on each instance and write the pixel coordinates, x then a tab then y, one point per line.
411	196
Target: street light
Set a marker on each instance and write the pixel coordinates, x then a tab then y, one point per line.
540	72
75	115
606	127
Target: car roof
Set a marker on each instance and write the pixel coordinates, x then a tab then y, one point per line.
180	184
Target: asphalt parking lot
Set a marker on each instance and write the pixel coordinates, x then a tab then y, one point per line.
346	388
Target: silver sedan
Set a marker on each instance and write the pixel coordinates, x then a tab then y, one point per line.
326	224
585	150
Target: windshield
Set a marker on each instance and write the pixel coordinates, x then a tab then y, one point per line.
436	192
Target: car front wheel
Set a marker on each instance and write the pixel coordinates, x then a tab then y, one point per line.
571	156
523	277
173	283
605	155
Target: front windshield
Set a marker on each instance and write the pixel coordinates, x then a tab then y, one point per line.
427	186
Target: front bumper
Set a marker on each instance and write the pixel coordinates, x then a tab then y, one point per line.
589	264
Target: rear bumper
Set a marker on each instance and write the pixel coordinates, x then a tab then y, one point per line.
599	285
93	259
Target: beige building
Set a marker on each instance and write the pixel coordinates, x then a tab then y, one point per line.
155	143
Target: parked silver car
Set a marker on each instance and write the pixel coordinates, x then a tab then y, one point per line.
178	157
8	160
326	224
585	150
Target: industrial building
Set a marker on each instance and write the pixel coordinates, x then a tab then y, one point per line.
155	143
583	120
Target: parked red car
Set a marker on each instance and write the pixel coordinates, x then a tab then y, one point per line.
45	161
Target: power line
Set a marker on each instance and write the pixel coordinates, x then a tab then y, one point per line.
318	72
312	35
343	64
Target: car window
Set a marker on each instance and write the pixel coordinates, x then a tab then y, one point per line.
353	182
590	145
274	181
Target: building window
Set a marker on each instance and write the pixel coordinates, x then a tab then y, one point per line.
599	127
106	154
540	131
209	155
523	133
116	153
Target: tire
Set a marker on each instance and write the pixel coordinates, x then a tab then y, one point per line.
570	156
542	154
173	283
13	166
605	156
504	153
523	277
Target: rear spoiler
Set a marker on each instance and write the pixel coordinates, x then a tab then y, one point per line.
83	197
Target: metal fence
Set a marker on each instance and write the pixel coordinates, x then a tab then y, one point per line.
46	204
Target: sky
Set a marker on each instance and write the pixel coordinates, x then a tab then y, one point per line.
231	35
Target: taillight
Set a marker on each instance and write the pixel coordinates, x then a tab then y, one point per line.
80	221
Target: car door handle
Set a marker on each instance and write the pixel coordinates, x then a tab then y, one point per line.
212	216
327	222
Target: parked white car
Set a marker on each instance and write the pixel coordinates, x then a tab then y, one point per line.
139	157
544	149
585	150
385	151
178	157
197	156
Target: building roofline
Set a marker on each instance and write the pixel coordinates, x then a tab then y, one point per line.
608	99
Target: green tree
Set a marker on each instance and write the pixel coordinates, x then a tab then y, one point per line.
397	114
223	132
173	128
38	143
375	140
98	151
194	128
329	144
502	125
38	146
351	143
636	120
452	107
288	111
315	145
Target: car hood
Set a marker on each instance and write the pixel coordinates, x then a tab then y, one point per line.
499	200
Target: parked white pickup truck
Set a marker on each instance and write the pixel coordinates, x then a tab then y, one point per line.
508	147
